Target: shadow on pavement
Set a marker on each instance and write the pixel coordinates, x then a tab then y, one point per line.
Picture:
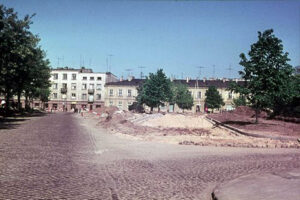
16	120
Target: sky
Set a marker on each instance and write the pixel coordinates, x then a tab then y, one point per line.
184	38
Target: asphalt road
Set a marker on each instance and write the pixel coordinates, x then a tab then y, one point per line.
64	156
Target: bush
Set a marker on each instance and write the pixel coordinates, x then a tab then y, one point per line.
136	107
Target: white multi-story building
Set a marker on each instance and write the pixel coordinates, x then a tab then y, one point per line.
77	88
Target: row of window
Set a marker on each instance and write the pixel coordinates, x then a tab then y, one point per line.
120	104
120	92
83	96
74	86
129	94
74	77
199	95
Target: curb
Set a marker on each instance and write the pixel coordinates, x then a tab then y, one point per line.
245	133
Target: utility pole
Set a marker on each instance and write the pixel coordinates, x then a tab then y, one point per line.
141	74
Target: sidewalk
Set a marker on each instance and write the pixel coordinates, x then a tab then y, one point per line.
284	185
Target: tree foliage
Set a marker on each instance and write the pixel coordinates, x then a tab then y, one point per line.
267	74
213	98
183	97
240	101
155	91
23	67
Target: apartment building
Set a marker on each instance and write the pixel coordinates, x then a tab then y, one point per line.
123	93
77	88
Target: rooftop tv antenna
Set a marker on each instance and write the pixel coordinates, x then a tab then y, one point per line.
142	74
200	67
214	71
229	69
110	55
129	71
58	59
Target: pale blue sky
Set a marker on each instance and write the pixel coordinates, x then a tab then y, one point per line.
177	36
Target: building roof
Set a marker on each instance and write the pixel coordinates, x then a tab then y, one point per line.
191	83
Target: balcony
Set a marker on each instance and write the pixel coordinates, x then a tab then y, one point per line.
91	91
63	90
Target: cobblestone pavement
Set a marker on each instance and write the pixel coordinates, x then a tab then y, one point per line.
56	157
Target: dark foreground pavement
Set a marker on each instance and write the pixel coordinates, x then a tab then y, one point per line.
53	157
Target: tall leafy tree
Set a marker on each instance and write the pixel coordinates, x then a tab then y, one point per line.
22	63
267	74
155	91
183	97
213	98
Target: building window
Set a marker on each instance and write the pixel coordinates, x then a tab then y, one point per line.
98	96
99	86
129	103
54	85
65	76
91	86
229	95
98	106
84	86
54	95
120	104
199	95
111	103
83	96
73	86
111	92
120	92
92	78
99	78
55	76
129	93
73	95
73	76
84	78
64	85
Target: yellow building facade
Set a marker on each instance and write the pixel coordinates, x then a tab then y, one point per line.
123	93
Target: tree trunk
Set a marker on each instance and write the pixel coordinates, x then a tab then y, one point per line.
19	101
256	115
151	109
7	97
27	106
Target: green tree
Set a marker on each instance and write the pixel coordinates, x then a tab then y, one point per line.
240	101
183	97
213	98
22	62
267	75
155	91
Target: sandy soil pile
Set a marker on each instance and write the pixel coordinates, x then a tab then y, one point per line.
182	129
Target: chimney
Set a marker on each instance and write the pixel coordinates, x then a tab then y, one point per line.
121	79
224	79
187	79
204	79
130	78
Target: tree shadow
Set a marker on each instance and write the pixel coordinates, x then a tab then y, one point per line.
10	123
241	123
16	120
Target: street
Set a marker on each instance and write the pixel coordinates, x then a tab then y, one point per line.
62	156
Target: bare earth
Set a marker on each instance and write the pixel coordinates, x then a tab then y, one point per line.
66	156
183	129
